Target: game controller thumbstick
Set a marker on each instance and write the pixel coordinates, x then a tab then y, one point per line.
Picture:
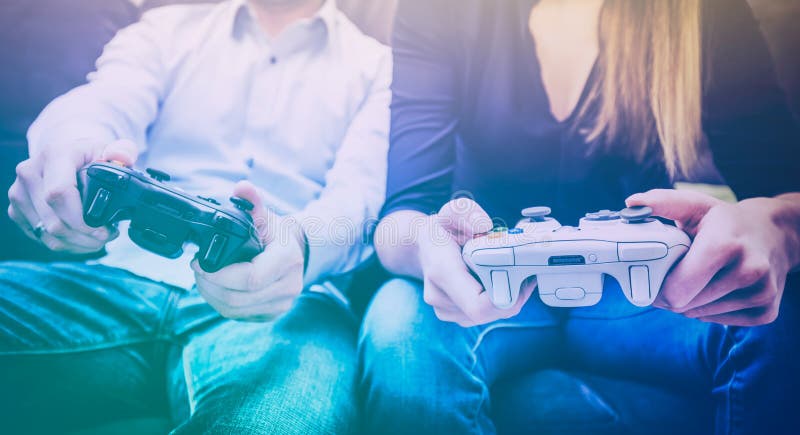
242	204
536	214
157	175
636	215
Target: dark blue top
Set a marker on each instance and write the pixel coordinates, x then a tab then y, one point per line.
470	116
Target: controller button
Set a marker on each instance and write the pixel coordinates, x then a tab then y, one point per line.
592	258
493	257
570	293
515	231
242	204
501	288
157	175
99	204
602	215
635	215
640	284
215	249
209	199
641	251
536	214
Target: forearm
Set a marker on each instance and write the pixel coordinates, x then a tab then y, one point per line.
65	124
396	242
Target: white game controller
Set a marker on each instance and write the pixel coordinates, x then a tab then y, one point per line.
570	263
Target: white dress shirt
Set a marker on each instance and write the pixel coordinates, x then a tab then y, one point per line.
211	100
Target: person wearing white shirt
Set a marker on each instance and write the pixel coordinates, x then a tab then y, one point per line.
282	102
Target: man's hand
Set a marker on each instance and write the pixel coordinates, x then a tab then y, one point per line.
455	295
735	270
45	202
267	286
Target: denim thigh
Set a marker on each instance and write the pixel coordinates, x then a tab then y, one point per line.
748	376
294	375
80	344
422	375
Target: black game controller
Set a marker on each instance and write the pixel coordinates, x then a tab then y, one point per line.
163	218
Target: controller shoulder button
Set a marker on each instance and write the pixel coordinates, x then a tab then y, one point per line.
602	215
209	200
157	175
242	204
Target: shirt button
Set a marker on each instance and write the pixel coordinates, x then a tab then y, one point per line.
273	60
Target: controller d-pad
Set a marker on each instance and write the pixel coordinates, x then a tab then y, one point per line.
602	215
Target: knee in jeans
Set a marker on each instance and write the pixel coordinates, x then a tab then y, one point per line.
393	318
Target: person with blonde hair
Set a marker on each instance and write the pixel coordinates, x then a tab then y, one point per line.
583	105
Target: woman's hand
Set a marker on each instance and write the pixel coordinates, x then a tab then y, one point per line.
735	270
448	286
267	286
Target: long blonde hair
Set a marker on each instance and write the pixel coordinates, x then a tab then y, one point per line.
649	85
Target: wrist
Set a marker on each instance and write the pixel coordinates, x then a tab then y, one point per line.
785	214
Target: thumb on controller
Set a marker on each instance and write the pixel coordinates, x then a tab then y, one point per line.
264	220
685	207
464	218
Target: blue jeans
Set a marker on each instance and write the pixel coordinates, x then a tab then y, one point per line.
83	345
421	375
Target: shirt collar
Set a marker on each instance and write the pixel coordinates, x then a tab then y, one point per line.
240	17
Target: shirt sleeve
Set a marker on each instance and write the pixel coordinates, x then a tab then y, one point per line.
746	117
424	109
339	223
121	98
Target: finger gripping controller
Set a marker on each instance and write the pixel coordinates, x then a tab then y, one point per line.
570	263
164	218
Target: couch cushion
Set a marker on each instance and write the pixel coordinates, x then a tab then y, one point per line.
47	48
